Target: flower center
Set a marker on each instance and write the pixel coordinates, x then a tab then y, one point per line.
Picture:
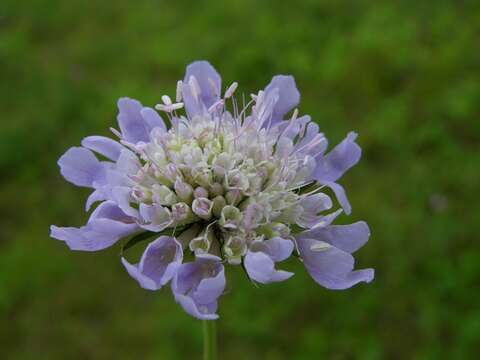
239	181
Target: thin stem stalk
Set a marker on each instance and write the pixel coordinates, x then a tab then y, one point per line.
209	340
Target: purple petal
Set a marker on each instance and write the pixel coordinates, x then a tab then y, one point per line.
330	266
152	119
313	142
193	105
130	121
209	289
291	129
339	192
80	167
198	284
96	235
312	205
128	163
348	238
155	217
158	264
106	226
333	165
110	210
277	248
94	197
208	79
104	146
122	197
289	97
201	312
261	268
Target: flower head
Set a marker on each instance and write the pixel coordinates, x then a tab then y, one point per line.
228	185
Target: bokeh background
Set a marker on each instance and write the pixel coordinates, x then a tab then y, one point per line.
404	74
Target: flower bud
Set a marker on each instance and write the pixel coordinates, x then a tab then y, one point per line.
253	215
200	192
202	175
171	172
219	203
202	244
237	180
184	191
141	193
233	197
202	207
163	195
230	217
216	189
234	248
181	213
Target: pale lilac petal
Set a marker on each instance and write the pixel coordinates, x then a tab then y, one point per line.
122	197
291	128
193	104
130	121
97	195
107	225
288	95
158	264
201	312
208	79
330	266
339	192
325	220
209	289
197	285
152	118
313	142
80	167
312	205
333	165
127	163
104	146
261	268
281	275
96	235
155	217
277	248
110	210
263	110
348	238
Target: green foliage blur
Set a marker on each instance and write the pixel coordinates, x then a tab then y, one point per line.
404	74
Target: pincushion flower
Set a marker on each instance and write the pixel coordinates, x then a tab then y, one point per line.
217	184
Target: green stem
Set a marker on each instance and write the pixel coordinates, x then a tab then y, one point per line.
209	340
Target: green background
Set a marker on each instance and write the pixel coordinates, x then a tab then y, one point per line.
404	74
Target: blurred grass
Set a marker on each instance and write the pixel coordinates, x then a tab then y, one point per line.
405	75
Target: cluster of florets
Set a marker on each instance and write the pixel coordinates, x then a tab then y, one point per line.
239	187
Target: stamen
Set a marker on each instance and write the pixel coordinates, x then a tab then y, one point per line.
230	90
178	96
169	108
116	132
166	100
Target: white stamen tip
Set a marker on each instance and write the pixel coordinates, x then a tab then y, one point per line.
169	107
295	114
231	90
116	132
218	104
166	100
178	96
